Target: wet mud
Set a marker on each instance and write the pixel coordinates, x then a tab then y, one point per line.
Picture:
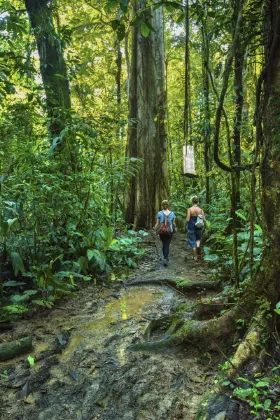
83	369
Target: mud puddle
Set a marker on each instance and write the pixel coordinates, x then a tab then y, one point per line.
83	369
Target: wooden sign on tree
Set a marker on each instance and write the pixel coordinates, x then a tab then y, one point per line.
188	161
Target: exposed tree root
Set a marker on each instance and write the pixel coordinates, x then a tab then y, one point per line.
15	348
182	285
212	306
202	331
194	331
170	324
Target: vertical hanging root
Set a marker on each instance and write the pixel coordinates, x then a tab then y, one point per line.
249	348
250	345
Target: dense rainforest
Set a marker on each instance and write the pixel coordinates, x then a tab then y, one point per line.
99	98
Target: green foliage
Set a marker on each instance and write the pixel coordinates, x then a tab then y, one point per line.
219	245
257	392
31	361
277	310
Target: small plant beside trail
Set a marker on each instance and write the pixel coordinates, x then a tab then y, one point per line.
261	394
258	394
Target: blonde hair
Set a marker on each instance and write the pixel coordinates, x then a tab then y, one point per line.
165	203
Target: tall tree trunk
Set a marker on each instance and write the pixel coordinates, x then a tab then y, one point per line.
187	76
113	192
147	138
206	109
270	168
236	141
52	64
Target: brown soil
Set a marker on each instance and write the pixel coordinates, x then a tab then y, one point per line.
82	367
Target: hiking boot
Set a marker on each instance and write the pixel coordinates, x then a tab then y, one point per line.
165	261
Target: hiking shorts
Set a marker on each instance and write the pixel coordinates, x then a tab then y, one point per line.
193	236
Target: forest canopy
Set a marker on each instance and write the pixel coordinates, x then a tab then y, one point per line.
97	100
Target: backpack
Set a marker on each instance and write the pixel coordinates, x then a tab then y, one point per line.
199	224
164	228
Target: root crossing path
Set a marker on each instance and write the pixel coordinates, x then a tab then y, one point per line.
83	367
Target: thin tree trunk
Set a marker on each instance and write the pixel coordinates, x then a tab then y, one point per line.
226	76
206	110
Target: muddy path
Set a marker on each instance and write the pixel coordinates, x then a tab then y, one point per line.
83	369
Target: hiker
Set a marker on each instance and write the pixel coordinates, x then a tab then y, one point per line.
165	227
196	225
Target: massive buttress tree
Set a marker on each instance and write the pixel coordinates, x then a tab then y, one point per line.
147	137
52	63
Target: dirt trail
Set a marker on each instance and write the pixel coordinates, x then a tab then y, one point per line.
82	367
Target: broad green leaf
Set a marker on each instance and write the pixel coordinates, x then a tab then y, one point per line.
113	242
91	253
31	360
241	215
39	302
243	392
19	298
17	263
145	30
30	292
211	257
267	404
261	384
43	303
15	309
258	227
13	283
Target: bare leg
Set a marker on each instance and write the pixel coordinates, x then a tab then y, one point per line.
194	250
199	252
